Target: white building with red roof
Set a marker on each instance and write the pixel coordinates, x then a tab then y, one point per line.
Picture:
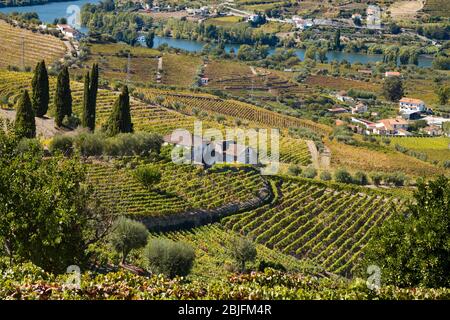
411	104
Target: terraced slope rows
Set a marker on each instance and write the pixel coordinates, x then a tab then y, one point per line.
232	108
212	246
146	117
317	222
182	188
36	47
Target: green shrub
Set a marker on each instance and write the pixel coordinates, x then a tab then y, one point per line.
29	145
127	235
342	176
169	258
376	177
310	172
243	250
61	143
129	144
294	170
89	144
148	175
360	178
325	176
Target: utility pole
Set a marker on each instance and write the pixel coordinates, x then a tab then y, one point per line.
23	53
128	68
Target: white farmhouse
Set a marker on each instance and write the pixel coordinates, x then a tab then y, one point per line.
410	104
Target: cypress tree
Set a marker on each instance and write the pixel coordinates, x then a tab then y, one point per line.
337	40
120	119
63	97
93	88
86	102
25	125
40	97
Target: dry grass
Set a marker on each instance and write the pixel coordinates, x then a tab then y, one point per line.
401	10
180	70
341	83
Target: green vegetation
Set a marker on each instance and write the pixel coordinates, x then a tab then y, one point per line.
412	249
40	97
393	88
25	125
169	258
127	235
90	98
120	119
321	222
63	97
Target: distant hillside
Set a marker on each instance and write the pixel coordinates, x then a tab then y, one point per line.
35	46
437	8
22	3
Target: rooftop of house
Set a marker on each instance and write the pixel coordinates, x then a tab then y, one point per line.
410	100
183	140
390	123
338	110
393	73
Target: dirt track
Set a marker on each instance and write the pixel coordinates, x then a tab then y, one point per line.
45	127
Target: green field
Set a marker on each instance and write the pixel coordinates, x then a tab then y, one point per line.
435	148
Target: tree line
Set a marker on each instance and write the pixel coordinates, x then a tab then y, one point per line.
37	106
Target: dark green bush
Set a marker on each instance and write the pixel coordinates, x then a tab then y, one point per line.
169	258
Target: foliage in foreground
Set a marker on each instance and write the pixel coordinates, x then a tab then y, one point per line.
413	249
29	282
46	213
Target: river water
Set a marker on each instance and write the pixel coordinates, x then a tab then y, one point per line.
49	12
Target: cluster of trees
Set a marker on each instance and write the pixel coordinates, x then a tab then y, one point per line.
240	33
252	53
435	31
26	110
281	58
47	214
393	88
121	25
412	247
163	256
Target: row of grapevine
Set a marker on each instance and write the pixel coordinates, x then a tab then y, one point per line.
213	245
317	222
233	108
146	117
182	188
15	41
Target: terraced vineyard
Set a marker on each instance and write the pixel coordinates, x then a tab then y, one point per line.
318	222
145	117
182	188
231	108
212	246
36	47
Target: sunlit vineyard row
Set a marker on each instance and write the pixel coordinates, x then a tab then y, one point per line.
212	246
231	108
34	46
316	221
146	117
182	188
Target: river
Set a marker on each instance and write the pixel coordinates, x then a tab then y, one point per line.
50	11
